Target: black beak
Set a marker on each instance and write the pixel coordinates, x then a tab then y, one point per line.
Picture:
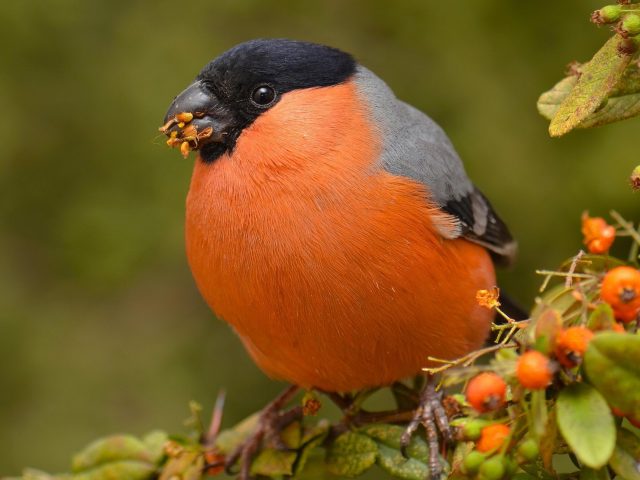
195	118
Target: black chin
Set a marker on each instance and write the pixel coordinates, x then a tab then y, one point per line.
210	152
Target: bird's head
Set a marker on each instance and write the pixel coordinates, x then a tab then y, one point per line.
242	84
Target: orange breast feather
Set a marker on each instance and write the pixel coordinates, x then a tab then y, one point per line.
328	267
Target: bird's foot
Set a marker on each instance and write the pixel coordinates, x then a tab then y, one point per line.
433	417
272	420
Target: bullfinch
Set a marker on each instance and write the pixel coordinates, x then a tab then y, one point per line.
329	223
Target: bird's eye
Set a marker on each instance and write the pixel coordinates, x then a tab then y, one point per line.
263	96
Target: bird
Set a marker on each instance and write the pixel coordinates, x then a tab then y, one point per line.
331	224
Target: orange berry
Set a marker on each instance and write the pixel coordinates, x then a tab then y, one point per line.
534	370
621	290
618	328
215	462
598	234
571	344
626	315
492	437
486	392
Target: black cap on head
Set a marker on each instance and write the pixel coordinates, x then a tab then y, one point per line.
251	77
285	64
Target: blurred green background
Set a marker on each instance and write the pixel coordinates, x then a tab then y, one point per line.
101	327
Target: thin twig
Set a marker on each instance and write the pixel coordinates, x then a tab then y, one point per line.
628	226
466	360
553	273
572	269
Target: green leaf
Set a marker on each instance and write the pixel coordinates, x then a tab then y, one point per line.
537	471
547	326
155	442
523	476
390	458
586	423
597	80
587	473
548	440
612	363
394	463
625	460
111	449
124	469
187	465
33	474
228	440
558	298
601	318
272	462
351	454
539	413
311	438
459	454
390	436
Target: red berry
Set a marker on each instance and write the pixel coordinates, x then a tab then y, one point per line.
598	234
534	370
621	290
571	344
486	392
493	437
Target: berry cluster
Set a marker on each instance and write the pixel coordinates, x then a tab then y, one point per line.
625	22
502	399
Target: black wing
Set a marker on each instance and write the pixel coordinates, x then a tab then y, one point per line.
480	224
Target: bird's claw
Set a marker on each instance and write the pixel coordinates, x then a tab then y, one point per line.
431	414
271	422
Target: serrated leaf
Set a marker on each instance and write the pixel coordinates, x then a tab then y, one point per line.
351	454
625	460
623	101
394	463
586	423
111	449
612	363
596	81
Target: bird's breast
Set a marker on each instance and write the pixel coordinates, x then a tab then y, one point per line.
328	267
